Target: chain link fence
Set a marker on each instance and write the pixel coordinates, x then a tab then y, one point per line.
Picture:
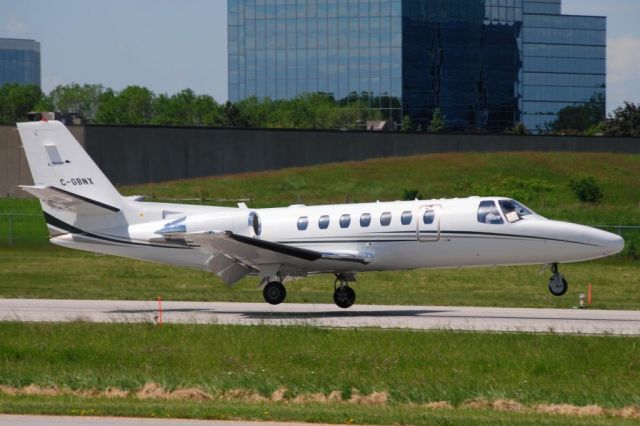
19	230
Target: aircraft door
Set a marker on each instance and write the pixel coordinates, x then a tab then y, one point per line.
428	224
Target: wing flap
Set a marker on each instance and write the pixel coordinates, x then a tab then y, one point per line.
229	271
59	199
254	252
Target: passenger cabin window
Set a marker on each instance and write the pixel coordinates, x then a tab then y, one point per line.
303	223
385	219
488	213
428	217
345	220
406	218
323	222
365	220
513	210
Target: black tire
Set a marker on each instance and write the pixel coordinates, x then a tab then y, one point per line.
344	297
274	293
558	288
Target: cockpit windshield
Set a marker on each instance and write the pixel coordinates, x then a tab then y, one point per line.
488	213
513	210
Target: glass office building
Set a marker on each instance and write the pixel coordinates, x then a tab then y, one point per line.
484	63
19	61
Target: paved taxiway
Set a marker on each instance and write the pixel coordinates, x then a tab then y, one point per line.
579	321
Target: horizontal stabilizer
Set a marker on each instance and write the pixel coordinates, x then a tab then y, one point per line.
59	199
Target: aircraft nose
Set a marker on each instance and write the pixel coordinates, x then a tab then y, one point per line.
616	245
609	242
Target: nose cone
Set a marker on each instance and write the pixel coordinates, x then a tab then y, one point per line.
609	243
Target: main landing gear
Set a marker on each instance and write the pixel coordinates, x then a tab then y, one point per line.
343	295
557	284
274	293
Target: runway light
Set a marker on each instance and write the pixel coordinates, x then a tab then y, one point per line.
582	297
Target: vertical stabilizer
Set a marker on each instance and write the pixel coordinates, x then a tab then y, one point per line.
71	187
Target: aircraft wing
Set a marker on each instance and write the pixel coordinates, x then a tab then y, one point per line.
234	256
60	199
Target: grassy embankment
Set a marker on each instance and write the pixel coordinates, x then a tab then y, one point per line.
541	178
362	376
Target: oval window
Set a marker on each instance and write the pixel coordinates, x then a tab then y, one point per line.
406	218
385	219
428	217
365	220
345	220
303	223
323	222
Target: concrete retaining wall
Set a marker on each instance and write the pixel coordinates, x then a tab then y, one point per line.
131	155
14	169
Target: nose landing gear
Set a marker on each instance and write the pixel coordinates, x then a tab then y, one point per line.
558	285
343	295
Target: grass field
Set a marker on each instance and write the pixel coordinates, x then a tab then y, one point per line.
540	179
27	273
396	414
247	371
375	376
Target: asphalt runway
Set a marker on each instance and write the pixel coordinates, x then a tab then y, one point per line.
575	321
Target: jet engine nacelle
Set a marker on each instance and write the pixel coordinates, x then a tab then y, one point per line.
241	222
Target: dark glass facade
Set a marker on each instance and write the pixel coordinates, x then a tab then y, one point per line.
484	63
282	48
564	62
19	61
462	56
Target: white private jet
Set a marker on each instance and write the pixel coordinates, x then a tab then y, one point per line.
84	211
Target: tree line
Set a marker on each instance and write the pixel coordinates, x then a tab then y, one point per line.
136	105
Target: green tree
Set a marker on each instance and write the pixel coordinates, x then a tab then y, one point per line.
411	194
625	121
407	124
438	123
519	129
580	118
134	105
75	98
237	115
16	101
185	108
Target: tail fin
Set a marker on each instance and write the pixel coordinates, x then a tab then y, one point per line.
67	181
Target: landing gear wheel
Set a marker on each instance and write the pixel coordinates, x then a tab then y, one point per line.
274	293
344	297
558	286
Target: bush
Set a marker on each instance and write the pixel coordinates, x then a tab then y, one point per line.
631	249
586	188
411	194
523	190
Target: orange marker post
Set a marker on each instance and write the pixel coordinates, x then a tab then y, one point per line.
159	310
589	295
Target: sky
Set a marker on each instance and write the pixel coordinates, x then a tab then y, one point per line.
169	45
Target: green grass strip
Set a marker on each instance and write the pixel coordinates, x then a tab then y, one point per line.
412	367
341	413
59	273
